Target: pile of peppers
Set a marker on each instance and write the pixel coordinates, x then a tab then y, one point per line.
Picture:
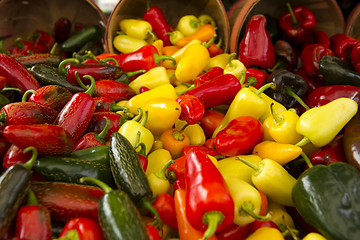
172	138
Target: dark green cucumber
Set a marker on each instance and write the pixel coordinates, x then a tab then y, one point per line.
90	34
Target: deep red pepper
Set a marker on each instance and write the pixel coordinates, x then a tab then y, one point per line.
76	114
210	143
2	82
220	90
311	56
297	24
192	108
209	75
4	147
45	39
33	220
13	155
177	170
199	148
355	57
27	113
113	89
165	205
209	122
152	231
342	45
98	122
144	161
332	152
17	74
53	96
239	136
84	228
326	94
106	104
209	205
22	48
234	232
62	29
258	74
67	200
319	37
312	83
258	224
143	89
256	48
161	27
179	184
215	50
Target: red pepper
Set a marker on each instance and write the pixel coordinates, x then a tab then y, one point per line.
106	104
144	161
82	227
113	89
41	38
53	96
355	57
214	49
165	205
209	122
311	56
199	148
332	152
17	74
145	58
48	139
143	89
297	24
68	200
62	29
326	94
342	45
22	48
239	136
2	82
27	113
209	75
4	147
311	82
318	36
33	220
209	205
152	231
13	155
258	224
77	113
98	122
234	232
210	143
258	74
192	109
161	27
256	48
177	170
179	184
220	90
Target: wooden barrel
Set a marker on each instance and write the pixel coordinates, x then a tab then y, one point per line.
353	23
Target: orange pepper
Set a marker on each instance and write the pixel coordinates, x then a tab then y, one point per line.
169	50
204	34
174	140
186	231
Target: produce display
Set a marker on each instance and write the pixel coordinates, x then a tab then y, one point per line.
172	137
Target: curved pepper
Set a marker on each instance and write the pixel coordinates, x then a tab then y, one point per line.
128	44
311	56
155	16
136	28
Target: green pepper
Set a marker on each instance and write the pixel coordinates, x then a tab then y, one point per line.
338	72
95	154
89	34
327	197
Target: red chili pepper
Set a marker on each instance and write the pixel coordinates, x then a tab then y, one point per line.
85	229
41	38
161	27
48	139
319	37
239	136
326	94
17	74
258	224
53	96
62	29
209	122
107	104
2	82
355	57
77	113
68	200
113	89
342	45
198	148
152	231
311	56
13	155
33	220
27	113
214	50
98	122
210	143
209	75
209	205
256	48
179	184
192	109
144	161
258	74
297	24
332	152
234	232
177	170
165	205
221	90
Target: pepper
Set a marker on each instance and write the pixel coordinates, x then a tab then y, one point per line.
17	74
297	24
14	155
89	34
219	60
258	74
331	190
234	67
311	56
234	232
194	132
215	49
83	228
256	48
98	122
210	121
165	205
285	54
136	28
68	200
111	88
266	233
107	104
192	109
128	44
174	140
208	75
62	29
355	57
179	54
338	72
239	136
314	236
155	16
188	25
342	45
288	87
208	190
157	159
39	58
332	152
153	78
204	34
33	220
158	182
318	36
351	142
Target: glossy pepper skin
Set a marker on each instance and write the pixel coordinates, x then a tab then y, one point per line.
155	16
355	57
207	196
256	48
85	228
165	205
113	89
332	152
342	45
311	56
327	195
192	109
352	141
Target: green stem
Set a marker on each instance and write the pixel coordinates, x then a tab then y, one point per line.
97	182
131	74
212	219
188	89
29	164
26	95
159	58
242	79
110	59
248	208
113	107
162	173
91	89
278	120
264	87
292	14
207	44
101	136
139	116
303	142
145	118
10	89
62	65
194	23
291	93
231	57
32	200
248	163
307	160
251	81
53	48
277	64
146	204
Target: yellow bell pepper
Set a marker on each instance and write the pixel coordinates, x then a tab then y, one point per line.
153	78
280	216
314	236
139	100
158	181
267	233
220	60
136	28
163	113
127	44
156	160
194	60
232	167
279	152
235	67
195	132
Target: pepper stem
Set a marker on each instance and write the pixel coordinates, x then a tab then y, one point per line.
162	173
231	57
242	79
158	58
292	14
303	142
264	87
291	93
101	136
32	200
188	89
131	74
139	116
278	120
251	81
212	219
208	43
26	95
307	160
113	107
145	118
146	204
110	59
248	163
99	183
91	89
29	164
248	208
53	48
62	65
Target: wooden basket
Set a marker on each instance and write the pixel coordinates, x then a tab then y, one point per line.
353	23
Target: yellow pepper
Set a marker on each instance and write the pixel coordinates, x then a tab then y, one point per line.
127	44
232	167
159	44
179	54
279	152
273	180
188	25
235	67
266	125
195	132
155	77
267	233
158	181
139	100
156	160
206	19
314	236
175	36
196	57
280	216
220	60
163	113
136	28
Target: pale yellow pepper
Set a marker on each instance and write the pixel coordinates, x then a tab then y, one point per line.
153	78
195	132
267	233
157	160
220	60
